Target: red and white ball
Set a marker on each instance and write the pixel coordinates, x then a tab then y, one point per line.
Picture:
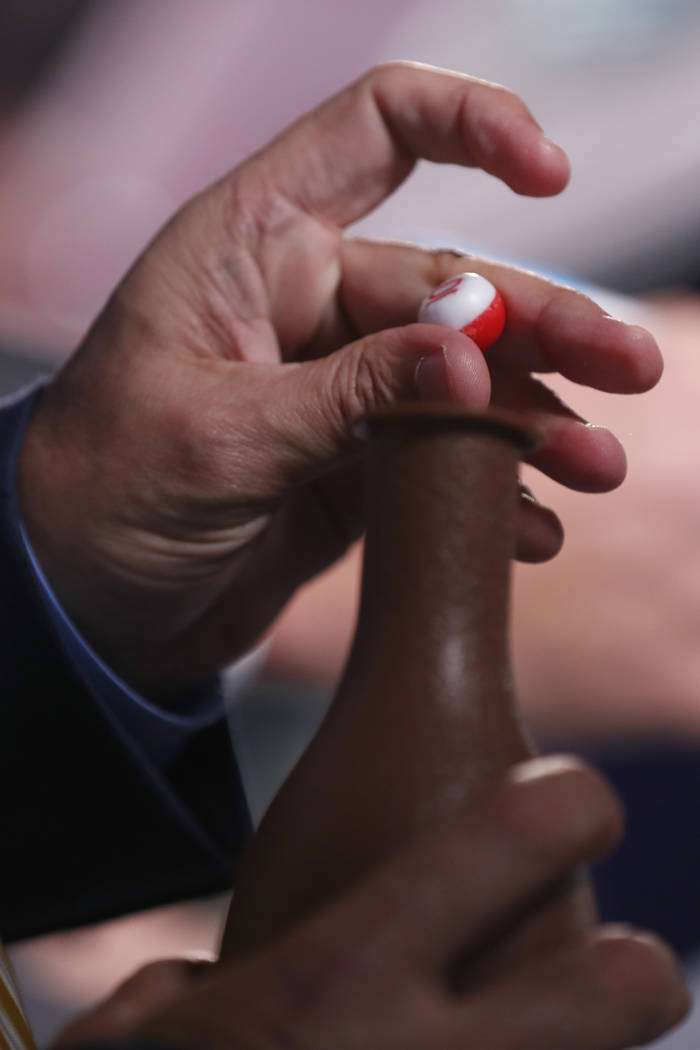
469	303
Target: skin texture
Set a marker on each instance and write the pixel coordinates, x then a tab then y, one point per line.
378	968
196	455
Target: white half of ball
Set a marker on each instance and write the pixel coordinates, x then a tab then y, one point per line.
467	296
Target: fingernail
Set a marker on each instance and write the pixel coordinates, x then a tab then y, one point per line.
431	376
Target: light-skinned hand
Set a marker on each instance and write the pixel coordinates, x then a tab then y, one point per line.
194	462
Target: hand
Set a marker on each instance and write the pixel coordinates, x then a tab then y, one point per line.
194	462
398	961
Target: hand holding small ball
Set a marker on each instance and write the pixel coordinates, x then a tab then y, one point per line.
468	303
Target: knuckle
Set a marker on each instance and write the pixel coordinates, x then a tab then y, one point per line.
643	976
360	382
372	380
485	92
382	72
561	805
254	208
390	79
561	301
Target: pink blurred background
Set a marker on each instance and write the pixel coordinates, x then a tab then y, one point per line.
148	102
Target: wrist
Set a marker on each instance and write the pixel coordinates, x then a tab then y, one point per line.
57	523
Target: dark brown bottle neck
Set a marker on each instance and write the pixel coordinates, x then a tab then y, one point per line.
442	508
430	663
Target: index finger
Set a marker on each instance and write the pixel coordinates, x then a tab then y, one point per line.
549	327
342	159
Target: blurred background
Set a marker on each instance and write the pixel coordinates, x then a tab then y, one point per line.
113	112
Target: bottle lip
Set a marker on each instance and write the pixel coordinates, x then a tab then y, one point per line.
509	426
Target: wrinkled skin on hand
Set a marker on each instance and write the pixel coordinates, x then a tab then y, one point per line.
194	462
378	968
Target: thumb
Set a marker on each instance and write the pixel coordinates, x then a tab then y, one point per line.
306	427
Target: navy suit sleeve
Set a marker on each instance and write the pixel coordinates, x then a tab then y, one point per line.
91	827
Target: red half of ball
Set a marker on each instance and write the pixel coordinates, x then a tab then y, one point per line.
487	327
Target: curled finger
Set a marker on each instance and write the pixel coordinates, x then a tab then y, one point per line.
620	989
572	451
